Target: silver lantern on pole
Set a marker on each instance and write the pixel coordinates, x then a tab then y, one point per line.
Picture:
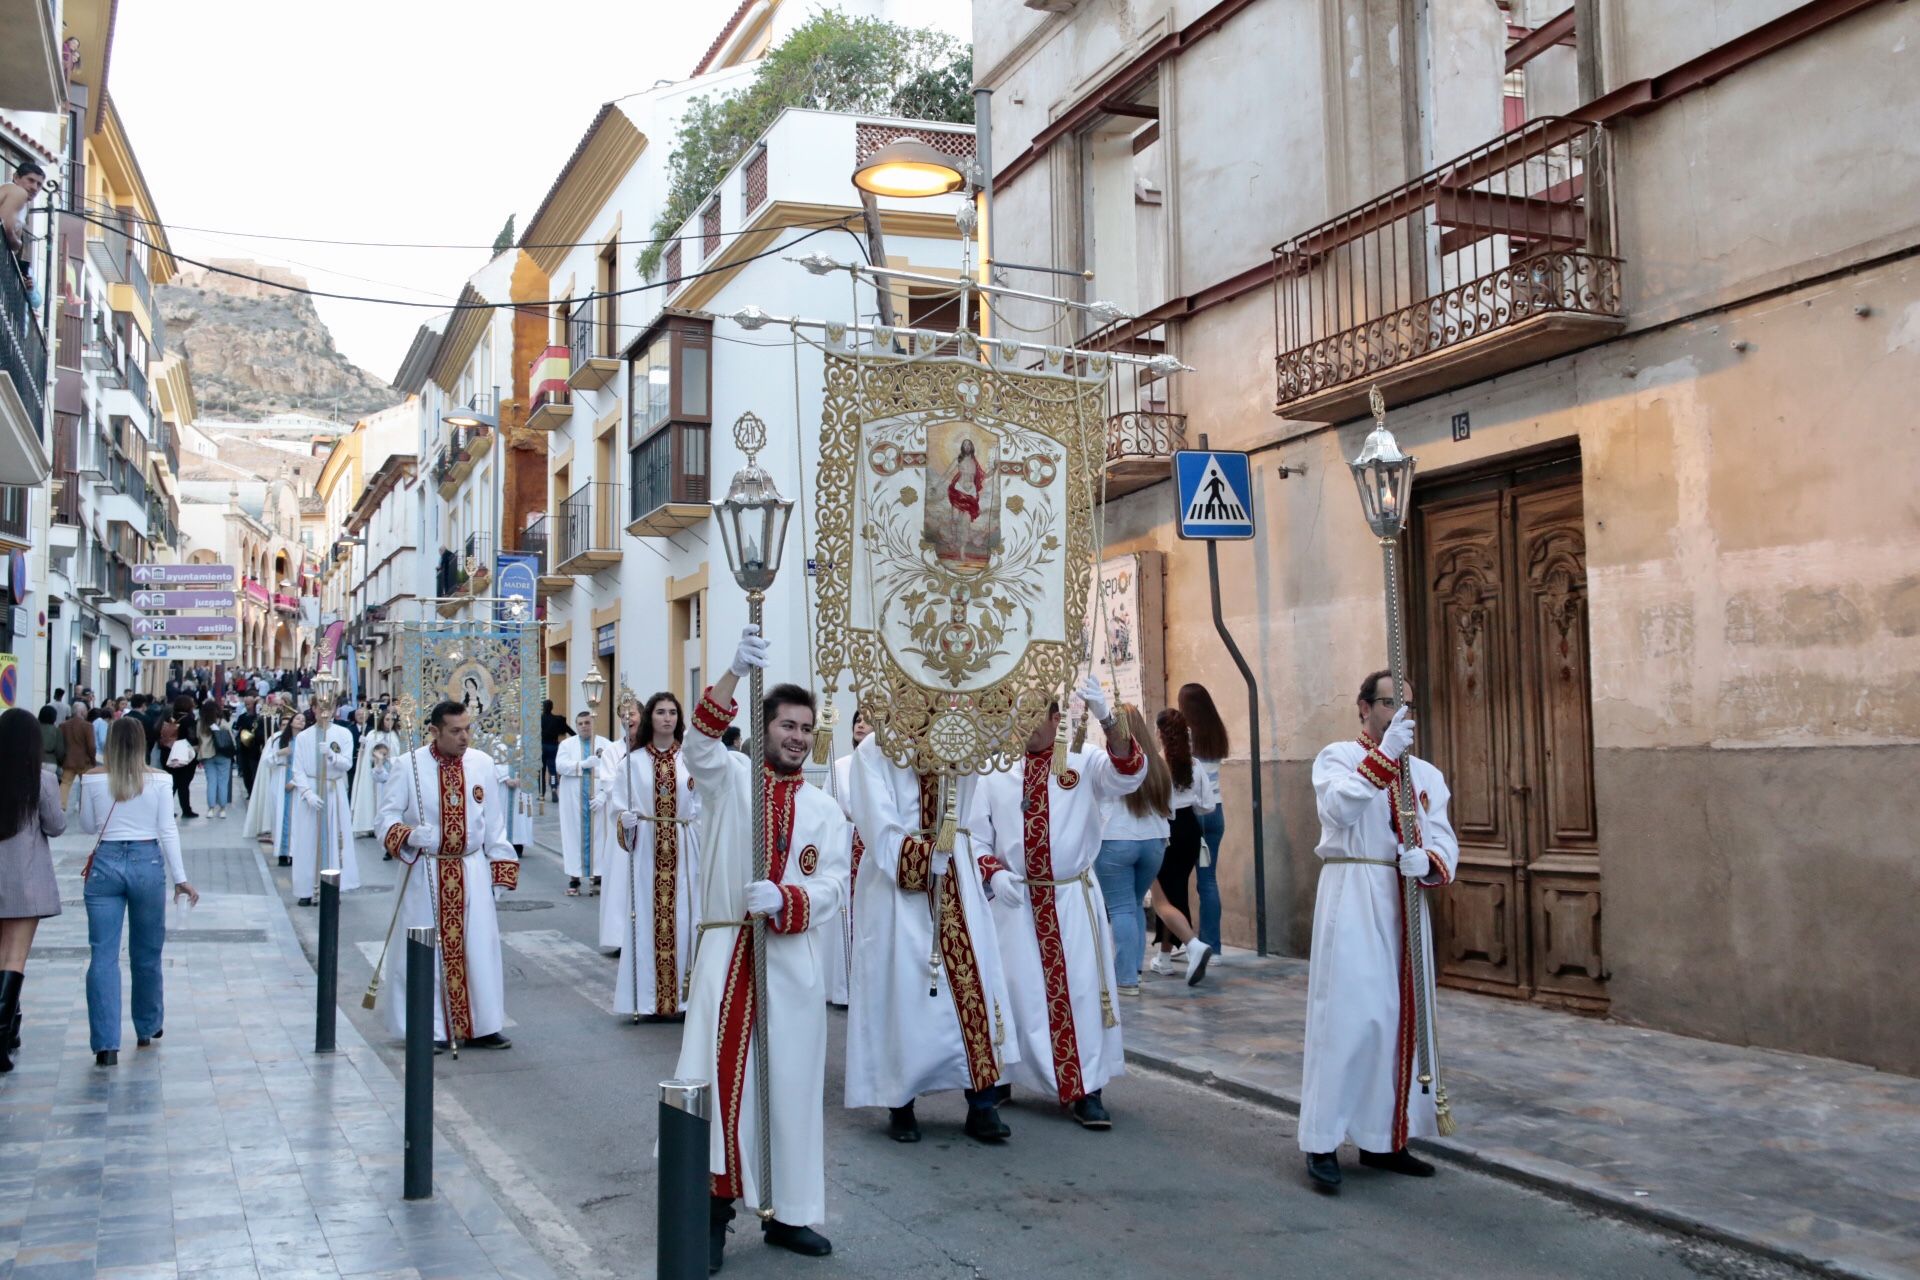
593	687
1384	476
326	690
753	526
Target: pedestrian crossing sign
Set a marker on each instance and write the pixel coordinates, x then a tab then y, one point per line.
1216	494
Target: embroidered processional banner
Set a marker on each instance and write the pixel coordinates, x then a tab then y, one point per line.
955	500
492	669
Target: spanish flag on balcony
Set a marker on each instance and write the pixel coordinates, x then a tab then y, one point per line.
549	377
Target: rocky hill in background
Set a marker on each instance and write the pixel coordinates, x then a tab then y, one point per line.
257	351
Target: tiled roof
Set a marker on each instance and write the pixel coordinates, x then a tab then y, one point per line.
726	34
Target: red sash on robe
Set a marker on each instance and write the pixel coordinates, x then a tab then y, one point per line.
1037	831
666	883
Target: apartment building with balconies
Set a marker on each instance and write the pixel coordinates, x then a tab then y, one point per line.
1637	283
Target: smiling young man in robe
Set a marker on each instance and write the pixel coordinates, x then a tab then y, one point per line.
1359	1081
809	844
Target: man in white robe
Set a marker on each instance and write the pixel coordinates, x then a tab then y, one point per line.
930	1009
652	805
810	846
461	818
840	786
580	762
313	801
1037	837
1360	1078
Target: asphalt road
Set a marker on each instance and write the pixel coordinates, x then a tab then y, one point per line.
1188	1183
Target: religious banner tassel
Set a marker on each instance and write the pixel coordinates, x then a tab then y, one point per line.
1443	1120
1060	750
823	731
949	818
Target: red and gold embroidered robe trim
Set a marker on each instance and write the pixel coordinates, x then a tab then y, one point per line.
1384	773
451	914
710	718
916	851
506	873
396	842
1131	763
666	882
737	1010
1037	831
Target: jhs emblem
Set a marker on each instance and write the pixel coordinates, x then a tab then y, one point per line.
1070	779
809	860
479	793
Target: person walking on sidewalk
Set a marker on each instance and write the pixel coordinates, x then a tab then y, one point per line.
30	814
654	881
219	749
553	727
1038	835
328	738
1192	795
1359	1074
180	752
1132	844
130	807
1208	734
582	763
249	734
76	749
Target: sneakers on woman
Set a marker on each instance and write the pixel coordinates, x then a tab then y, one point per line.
1197	956
1161	963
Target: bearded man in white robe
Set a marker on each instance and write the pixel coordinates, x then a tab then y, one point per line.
809	845
444	813
580	762
1360	1082
1037	836
313	800
930	1009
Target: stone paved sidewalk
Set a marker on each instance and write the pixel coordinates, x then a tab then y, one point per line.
1807	1159
230	1149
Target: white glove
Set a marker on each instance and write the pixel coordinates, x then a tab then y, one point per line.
311	799
587	765
1007	890
629	820
751	653
598	803
763	899
425	839
499	892
942	863
1095	697
1399	735
1415	864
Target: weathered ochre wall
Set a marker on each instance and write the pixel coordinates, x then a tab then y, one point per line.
524	485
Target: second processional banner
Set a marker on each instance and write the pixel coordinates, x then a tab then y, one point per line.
955	502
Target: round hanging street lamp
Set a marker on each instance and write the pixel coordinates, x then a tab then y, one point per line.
909	169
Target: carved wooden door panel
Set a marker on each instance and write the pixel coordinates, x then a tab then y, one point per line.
1501	674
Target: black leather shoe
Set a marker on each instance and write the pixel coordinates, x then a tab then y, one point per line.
1401	1161
1323	1170
1092	1113
306	902
719	1214
984	1125
902	1124
107	1058
285	859
802	1240
440	1047
492	1040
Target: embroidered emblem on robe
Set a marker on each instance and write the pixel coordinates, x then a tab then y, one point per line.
809	860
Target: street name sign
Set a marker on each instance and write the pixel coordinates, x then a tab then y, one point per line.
183	575
183	599
1215	494
186	624
166	650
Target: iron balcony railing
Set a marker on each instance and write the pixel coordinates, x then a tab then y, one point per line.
580	344
1516	229
1137	434
23	346
14	505
589	525
671	466
449	579
137	277
534	542
137	382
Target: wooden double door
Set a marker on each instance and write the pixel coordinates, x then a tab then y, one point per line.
1500	662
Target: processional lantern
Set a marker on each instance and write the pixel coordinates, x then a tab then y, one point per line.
593	687
325	687
1384	475
753	518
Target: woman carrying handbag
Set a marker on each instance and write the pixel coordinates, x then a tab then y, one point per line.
130	807
30	813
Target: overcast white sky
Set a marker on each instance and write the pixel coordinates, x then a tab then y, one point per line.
402	120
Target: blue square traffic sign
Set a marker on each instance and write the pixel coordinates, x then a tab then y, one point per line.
1215	491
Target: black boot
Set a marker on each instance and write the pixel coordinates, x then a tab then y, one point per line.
983	1117
1401	1161
719	1214
1092	1113
10	980
802	1240
902	1124
1323	1168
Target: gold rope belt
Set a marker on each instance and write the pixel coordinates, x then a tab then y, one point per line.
699	933
1365	862
1085	881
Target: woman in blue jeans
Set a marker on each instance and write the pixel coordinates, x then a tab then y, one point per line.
130	807
1209	737
1133	842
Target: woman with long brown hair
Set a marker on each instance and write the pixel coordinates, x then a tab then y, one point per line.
30	814
1208	734
650	798
1191	792
1132	843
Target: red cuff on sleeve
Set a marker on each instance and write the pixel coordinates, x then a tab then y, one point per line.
1133	762
794	905
396	841
1439	877
1377	769
710	718
506	874
916	863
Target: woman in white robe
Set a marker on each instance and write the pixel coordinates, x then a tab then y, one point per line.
382	744
264	789
652	804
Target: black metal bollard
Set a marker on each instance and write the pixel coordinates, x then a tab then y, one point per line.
419	1107
327	1002
681	1252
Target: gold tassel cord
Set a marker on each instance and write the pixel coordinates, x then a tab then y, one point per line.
949	819
823	731
1443	1114
1060	745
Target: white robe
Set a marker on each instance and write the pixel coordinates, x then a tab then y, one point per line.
656	940
1057	949
366	786
912	1029
813	876
472	977
266	798
569	761
840	959
1356	1042
309	859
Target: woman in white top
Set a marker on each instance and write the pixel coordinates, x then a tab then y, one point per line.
130	807
379	751
1208	734
1132	843
267	786
1193	794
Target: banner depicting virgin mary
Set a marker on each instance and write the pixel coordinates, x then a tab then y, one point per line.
955	501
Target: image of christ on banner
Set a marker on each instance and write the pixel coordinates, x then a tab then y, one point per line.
963	495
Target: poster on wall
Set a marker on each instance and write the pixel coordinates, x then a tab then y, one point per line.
1125	631
9	680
